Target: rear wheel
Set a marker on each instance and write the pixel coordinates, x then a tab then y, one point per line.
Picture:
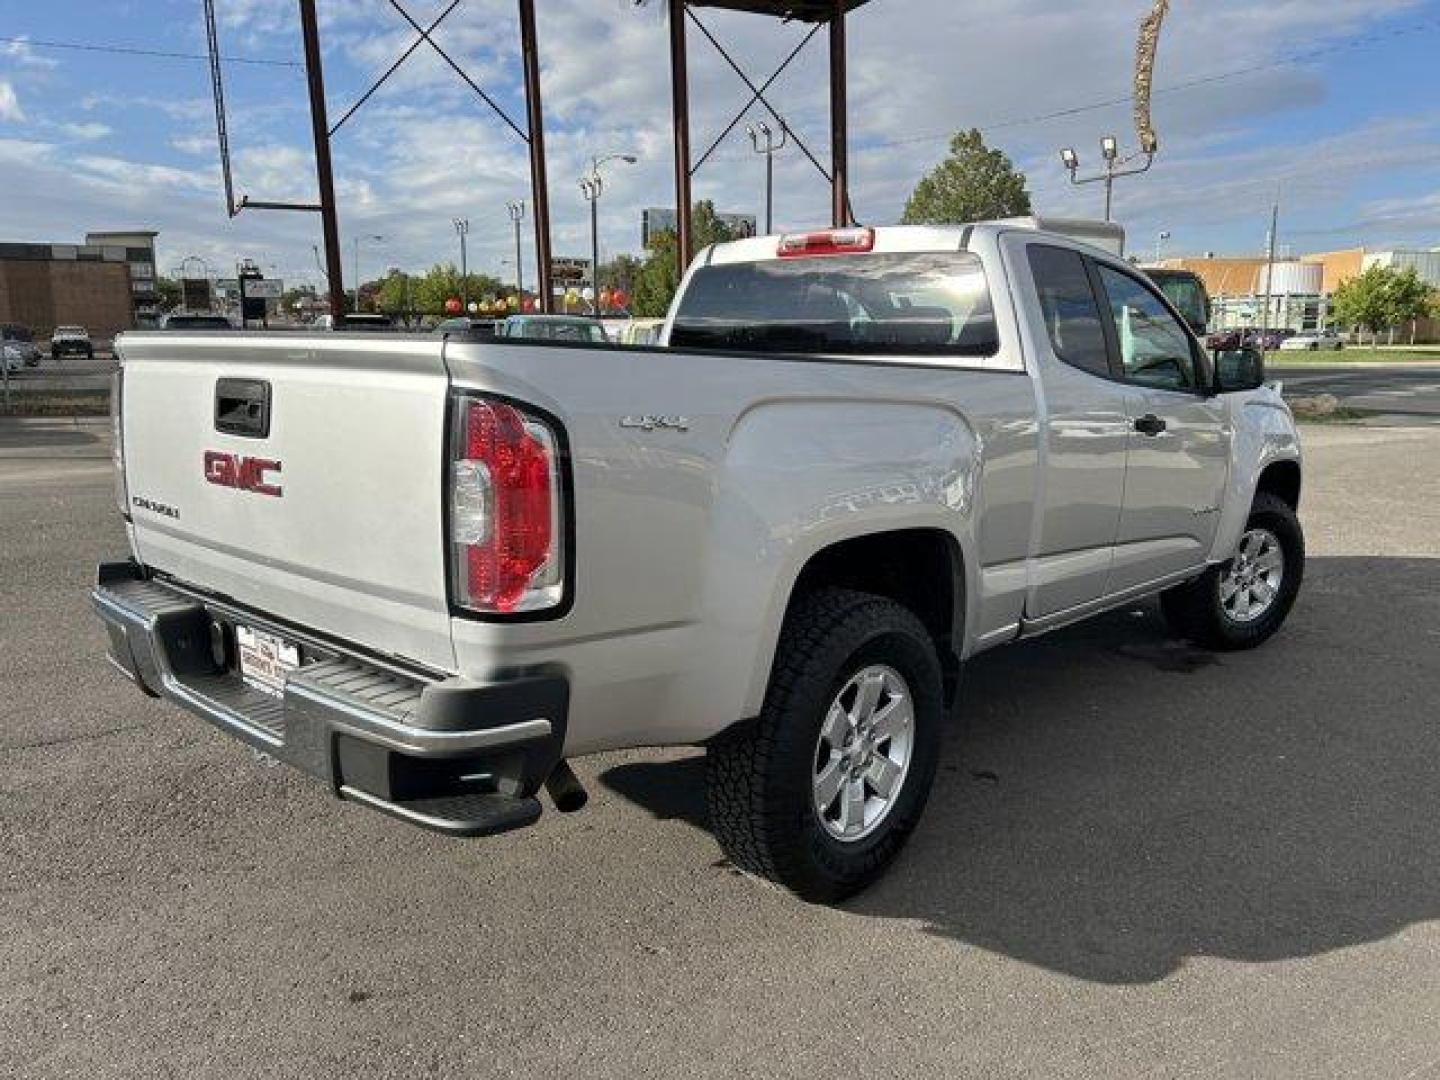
1241	603
822	790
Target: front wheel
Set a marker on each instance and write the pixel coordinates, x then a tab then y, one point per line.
1241	603
823	789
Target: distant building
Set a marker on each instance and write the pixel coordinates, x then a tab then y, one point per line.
139	252
43	286
1302	286
1426	264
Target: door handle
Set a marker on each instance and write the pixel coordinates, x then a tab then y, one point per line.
1149	424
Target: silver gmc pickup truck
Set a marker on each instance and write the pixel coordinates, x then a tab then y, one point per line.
430	570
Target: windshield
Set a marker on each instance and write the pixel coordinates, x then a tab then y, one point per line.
1186	294
72	331
558	330
917	304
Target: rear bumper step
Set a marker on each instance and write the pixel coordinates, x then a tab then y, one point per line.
450	755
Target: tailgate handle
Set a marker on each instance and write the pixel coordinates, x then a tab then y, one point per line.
242	407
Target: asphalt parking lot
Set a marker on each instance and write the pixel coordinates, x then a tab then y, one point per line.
1139	860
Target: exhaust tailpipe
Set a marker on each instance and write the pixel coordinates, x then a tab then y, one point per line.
566	791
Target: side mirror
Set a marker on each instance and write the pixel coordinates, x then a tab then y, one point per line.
1239	369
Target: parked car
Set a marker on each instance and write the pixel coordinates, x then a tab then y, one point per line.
12	357
367	320
578	328
1268	339
71	341
447	566
463	325
640	332
19	338
1225	340
1314	341
197	320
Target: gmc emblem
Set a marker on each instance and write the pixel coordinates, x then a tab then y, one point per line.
244	473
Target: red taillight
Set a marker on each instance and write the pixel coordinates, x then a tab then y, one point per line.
505	507
827	242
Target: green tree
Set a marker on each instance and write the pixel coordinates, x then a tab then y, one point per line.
1382	297
1409	297
426	293
620	272
659	277
974	183
168	292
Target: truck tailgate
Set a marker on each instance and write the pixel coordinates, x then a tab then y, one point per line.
329	512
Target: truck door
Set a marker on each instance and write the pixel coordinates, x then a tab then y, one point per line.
1179	439
1084	429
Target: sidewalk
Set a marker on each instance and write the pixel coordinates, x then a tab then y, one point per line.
72	437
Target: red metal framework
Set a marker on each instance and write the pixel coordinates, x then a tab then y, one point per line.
820	13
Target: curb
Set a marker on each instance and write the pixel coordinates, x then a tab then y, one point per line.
28	422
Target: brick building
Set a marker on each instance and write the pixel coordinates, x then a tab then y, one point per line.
92	285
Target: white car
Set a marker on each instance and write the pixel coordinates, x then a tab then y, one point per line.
1313	341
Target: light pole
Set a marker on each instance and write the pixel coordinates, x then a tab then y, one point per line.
592	185
462	229
516	209
1160	238
377	238
1114	167
759	133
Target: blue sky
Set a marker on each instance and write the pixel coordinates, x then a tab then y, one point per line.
1334	105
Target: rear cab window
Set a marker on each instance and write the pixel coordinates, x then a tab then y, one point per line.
1067	302
877	304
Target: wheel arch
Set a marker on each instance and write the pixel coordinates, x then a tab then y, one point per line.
1281	479
922	569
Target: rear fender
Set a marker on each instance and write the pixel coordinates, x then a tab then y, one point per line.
799	477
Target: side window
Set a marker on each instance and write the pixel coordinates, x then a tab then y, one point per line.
1072	317
1155	350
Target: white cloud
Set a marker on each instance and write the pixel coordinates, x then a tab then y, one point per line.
87	131
10	104
20	52
198	145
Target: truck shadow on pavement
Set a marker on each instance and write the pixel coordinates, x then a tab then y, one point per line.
1112	802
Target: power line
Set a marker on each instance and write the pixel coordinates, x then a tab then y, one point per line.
1187	84
128	50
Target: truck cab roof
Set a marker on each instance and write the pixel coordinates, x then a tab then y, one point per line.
1103	235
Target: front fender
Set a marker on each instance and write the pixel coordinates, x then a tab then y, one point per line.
1264	432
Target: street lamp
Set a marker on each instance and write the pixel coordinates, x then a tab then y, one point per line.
1114	167
592	185
375	237
1160	239
761	133
462	229
516	209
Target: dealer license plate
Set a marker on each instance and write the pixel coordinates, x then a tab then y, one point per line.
265	659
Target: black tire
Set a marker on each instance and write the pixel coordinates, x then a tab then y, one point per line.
759	775
1195	611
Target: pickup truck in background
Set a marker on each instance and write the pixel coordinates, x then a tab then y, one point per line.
71	341
430	570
